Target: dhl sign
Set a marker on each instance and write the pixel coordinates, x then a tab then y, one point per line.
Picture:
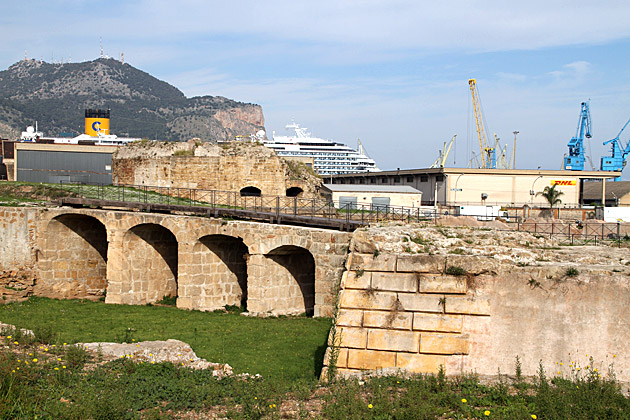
563	182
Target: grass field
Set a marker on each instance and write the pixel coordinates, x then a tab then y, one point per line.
284	348
42	379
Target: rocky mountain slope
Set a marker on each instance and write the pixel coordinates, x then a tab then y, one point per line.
55	95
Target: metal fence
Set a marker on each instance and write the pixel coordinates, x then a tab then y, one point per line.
308	209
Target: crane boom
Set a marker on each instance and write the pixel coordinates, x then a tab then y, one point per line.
575	160
617	160
488	157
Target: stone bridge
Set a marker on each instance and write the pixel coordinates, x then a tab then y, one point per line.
139	258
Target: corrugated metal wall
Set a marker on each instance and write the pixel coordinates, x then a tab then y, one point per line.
53	167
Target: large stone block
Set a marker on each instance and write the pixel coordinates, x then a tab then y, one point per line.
420	264
351	337
361	299
395	282
419	363
393	340
342	357
469	305
432	283
437	322
388	319
370	359
350	318
367	262
420	303
358	280
444	343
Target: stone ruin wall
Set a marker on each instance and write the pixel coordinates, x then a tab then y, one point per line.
229	167
399	310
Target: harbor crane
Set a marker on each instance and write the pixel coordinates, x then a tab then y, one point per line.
575	160
443	154
617	160
488	154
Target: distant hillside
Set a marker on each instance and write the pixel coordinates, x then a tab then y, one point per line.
56	95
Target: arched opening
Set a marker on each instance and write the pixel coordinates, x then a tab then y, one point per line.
220	277
294	279
250	192
75	252
294	192
150	264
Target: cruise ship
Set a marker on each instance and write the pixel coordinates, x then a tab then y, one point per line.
329	157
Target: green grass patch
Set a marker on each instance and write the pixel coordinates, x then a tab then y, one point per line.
285	347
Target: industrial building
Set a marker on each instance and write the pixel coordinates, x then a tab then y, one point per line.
54	163
503	187
372	196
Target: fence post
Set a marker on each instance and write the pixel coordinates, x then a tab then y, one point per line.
619	234
602	231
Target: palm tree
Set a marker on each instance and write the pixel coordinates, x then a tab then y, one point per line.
551	195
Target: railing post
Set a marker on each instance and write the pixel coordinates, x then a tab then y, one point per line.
277	208
295	206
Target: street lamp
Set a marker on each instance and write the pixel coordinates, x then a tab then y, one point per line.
532	193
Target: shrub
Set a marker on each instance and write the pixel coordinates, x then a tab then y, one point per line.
571	272
454	270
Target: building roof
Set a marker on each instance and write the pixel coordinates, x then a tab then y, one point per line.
372	188
593	190
476	171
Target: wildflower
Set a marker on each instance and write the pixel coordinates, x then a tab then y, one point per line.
63	367
486	413
35	360
13	370
534	416
614	355
56	368
30	354
595	370
274	406
255	398
370	406
16	343
8	336
560	365
65	344
59	359
19	360
464	400
26	362
17	368
559	373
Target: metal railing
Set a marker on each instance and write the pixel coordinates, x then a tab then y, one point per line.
263	205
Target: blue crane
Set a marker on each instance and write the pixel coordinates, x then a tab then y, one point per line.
575	160
617	160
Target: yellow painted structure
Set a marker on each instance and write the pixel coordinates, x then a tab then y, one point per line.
95	125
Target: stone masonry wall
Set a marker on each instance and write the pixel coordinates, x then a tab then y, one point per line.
231	168
18	253
517	295
138	258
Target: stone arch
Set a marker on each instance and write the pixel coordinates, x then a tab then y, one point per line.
250	192
219	272
150	257
294	192
293	273
74	257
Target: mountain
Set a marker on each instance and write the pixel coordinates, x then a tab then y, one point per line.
56	95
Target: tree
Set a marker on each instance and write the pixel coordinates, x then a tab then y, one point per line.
551	195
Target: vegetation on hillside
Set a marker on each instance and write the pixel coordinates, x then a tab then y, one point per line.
56	95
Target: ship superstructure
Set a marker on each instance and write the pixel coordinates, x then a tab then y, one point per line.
329	157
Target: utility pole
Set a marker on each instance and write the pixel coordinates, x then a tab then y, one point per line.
513	164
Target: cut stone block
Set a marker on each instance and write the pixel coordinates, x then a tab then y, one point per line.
395	282
370	359
388	319
437	322
393	340
420	363
444	343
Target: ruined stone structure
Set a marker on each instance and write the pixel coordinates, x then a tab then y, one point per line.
508	295
137	258
238	166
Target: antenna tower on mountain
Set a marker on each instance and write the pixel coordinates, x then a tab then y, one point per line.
100	41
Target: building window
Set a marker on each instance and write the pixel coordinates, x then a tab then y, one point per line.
361	181
439	178
352	180
384	180
424	178
372	180
409	179
396	180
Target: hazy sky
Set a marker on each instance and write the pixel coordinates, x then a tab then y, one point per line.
393	73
